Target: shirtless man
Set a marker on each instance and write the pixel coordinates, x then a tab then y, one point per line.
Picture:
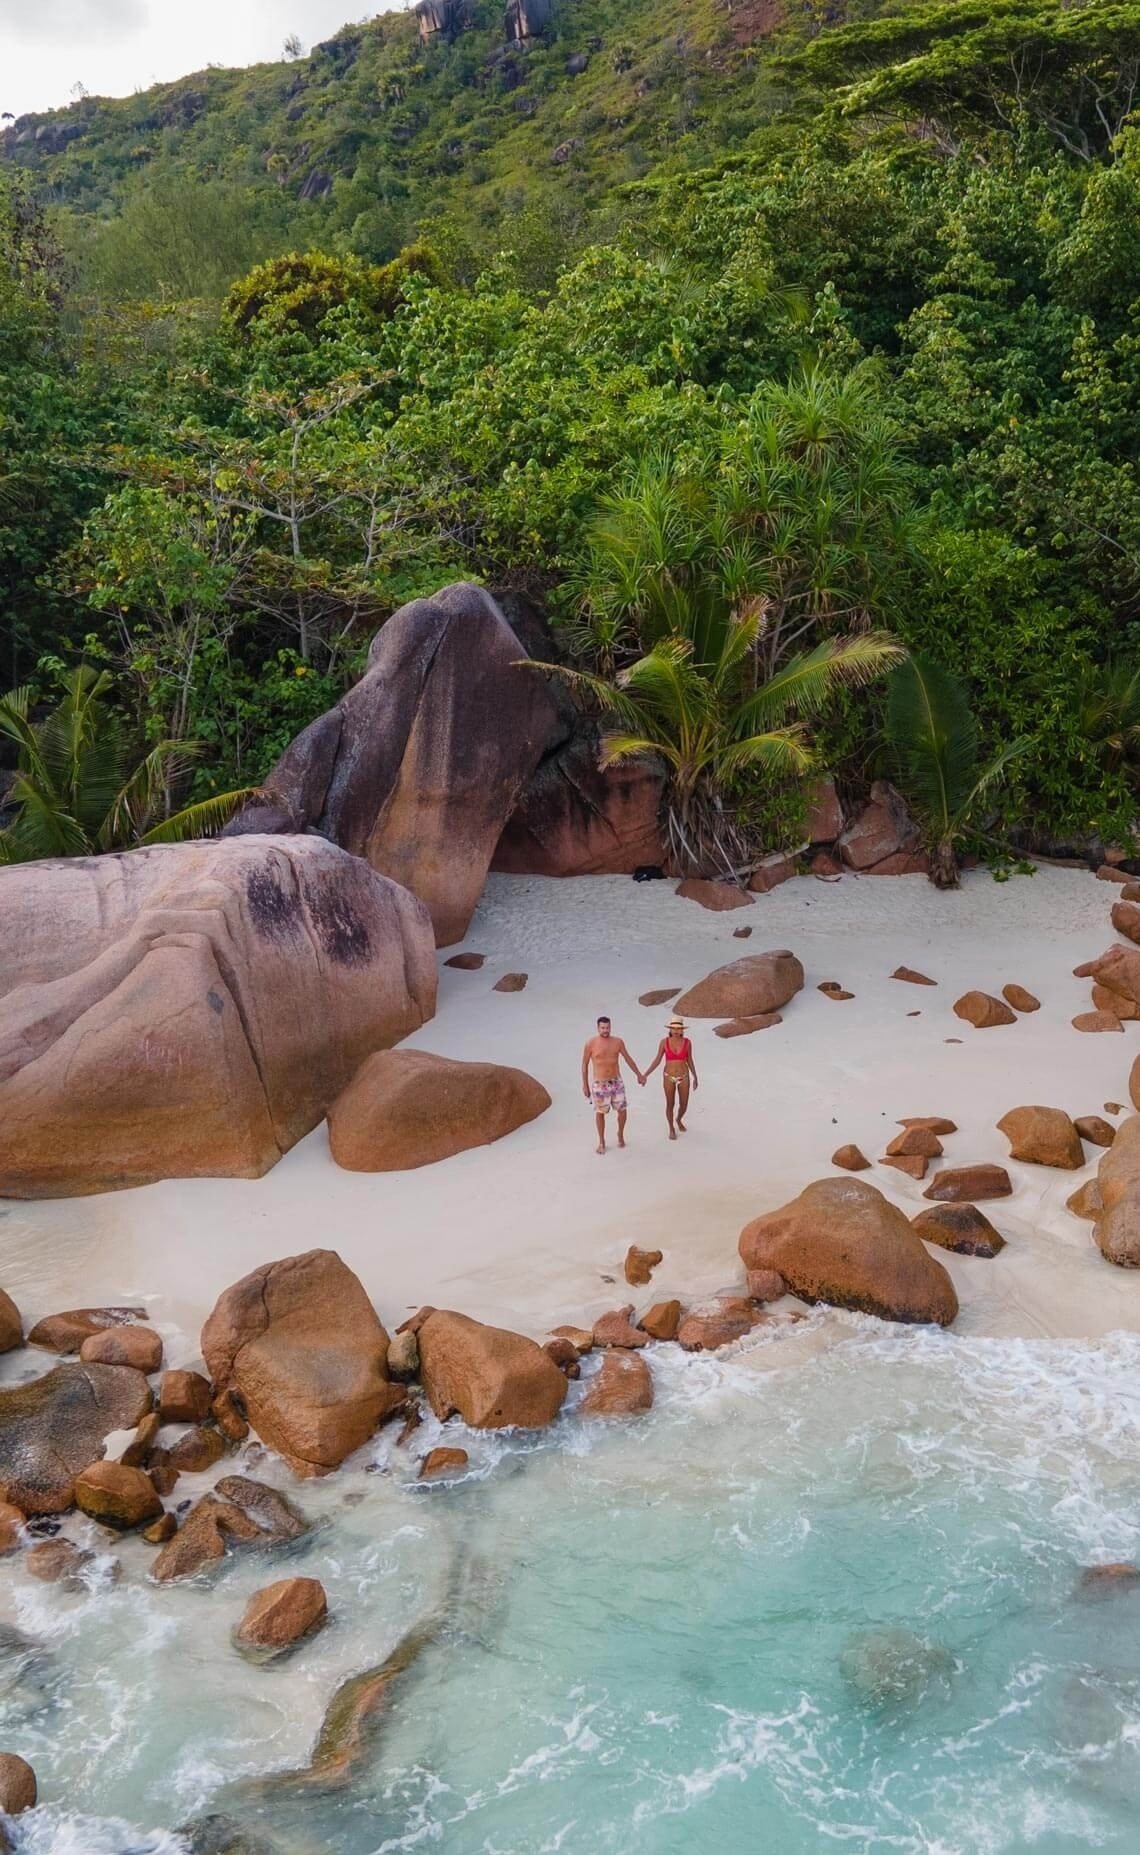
605	1052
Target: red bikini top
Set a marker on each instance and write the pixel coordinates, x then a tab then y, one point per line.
678	1056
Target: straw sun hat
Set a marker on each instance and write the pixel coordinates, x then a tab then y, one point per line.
675	1024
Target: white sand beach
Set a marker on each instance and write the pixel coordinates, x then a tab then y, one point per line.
532	1230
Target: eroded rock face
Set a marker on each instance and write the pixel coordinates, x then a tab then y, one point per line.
1119	1167
753	986
418	768
52	1429
407	1108
574	819
1116	971
1117	1233
302	1345
493	1378
192	1010
842	1242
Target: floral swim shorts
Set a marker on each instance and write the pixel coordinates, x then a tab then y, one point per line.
609	1095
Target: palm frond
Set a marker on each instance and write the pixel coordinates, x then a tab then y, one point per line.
934	739
201	820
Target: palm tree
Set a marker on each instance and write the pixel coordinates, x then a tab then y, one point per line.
83	785
1109	696
934	740
714	724
802	501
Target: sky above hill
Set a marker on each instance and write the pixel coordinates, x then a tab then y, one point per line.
112	47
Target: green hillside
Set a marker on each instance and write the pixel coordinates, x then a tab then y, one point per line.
749	351
380	131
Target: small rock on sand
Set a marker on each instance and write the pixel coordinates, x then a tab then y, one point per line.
753	985
466	962
1095	1129
1019	998
916	1141
983	1011
511	982
964	1184
831	988
913	1164
1043	1137
1114	1107
622	1386
715	895
661	1321
1097	1021
744	1027
741	933
959	1227
639	1265
662	995
564	1354
911	977
937	1123
850	1158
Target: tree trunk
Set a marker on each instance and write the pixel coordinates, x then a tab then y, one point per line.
944	864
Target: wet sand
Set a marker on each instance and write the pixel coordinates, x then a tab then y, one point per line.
532	1231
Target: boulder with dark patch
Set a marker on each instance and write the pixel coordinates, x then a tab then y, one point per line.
11	1326
842	1242
959	1227
753	986
65	1333
493	1378
116	1496
408	1108
53	1428
301	1343
192	1010
419	767
882	836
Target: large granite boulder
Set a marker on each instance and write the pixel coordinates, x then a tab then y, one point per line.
406	1108
54	1428
1116	971
238	1513
302	1345
754	986
883	836
193	1009
493	1378
842	1242
1119	1168
418	768
574	819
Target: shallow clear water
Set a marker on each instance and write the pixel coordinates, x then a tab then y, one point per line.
656	1637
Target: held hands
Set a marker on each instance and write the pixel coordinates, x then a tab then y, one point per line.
641	1079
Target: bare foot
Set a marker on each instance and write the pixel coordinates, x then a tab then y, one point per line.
600	1149
672	1133
681	1128
621	1140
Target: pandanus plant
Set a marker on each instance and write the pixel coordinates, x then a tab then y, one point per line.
83	784
933	738
714	725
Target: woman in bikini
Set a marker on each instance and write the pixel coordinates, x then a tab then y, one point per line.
676	1052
